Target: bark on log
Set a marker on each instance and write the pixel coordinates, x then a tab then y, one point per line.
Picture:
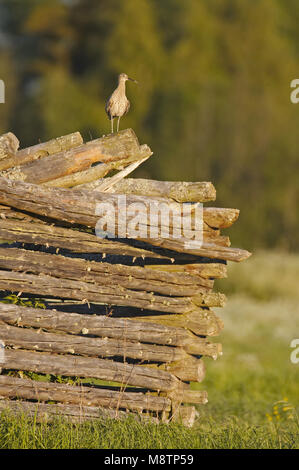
44	149
206	270
104	369
176	190
9	145
99	170
131	277
103	326
28	338
189	369
79	207
105	149
202	322
13	387
74	413
43	285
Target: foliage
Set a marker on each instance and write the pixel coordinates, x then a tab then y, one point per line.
213	100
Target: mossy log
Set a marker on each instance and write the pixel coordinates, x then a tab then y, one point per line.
201	322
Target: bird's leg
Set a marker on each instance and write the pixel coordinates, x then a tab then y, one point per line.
118	123
111	125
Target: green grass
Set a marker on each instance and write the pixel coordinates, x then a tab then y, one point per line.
253	387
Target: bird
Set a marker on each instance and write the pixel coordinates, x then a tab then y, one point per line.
118	104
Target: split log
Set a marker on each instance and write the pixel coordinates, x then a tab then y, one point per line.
131	277
13	387
105	149
9	145
43	285
74	413
202	322
176	190
28	338
44	149
80	207
100	170
103	326
90	367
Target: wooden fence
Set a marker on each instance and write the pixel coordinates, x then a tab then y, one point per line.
128	322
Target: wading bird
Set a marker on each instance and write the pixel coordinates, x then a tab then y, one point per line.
118	104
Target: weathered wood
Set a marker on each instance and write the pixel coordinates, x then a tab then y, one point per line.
74	413
28	338
9	145
203	322
100	170
80	207
188	396
105	149
104	369
37	151
189	369
176	190
131	277
44	285
13	387
104	326
206	270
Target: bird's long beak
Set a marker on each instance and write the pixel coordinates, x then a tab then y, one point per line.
132	80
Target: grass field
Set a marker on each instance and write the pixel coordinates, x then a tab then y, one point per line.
253	388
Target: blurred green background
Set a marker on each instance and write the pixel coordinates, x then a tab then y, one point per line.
213	101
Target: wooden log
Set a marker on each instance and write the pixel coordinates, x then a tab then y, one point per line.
44	285
131	277
32	339
9	145
206	270
189	369
106	149
202	322
199	397
13	387
42	150
104	369
100	170
176	190
78	207
73	413
102	326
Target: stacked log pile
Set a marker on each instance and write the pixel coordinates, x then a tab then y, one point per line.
128	321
